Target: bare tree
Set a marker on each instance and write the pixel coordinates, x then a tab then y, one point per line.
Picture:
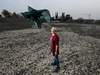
63	18
56	15
67	17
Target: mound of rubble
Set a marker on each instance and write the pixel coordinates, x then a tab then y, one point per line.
26	52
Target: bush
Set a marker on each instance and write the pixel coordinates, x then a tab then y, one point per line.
6	13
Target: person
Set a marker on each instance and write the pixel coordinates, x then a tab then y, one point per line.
54	39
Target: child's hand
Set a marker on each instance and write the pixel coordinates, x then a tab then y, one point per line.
49	52
55	53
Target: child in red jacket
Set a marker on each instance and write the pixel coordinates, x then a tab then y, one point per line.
54	39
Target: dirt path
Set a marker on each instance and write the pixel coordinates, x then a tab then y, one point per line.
26	52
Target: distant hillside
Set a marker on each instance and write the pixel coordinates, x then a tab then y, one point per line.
13	23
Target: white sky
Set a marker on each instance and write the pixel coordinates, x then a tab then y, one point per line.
76	8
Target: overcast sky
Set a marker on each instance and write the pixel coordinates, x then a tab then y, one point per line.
76	8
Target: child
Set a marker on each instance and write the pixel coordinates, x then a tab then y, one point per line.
54	39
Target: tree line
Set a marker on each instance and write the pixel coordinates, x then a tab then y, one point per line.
6	14
69	19
63	18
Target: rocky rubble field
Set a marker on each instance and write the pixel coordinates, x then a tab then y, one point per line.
26	52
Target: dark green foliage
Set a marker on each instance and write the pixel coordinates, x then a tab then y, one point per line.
37	16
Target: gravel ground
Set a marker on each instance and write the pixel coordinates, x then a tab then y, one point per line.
26	52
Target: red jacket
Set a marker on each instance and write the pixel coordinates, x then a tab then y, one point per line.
54	39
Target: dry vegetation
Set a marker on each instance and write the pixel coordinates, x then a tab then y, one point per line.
26	52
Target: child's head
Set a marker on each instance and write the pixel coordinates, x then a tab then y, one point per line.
53	29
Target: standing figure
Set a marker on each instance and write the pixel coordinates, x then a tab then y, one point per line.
54	39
